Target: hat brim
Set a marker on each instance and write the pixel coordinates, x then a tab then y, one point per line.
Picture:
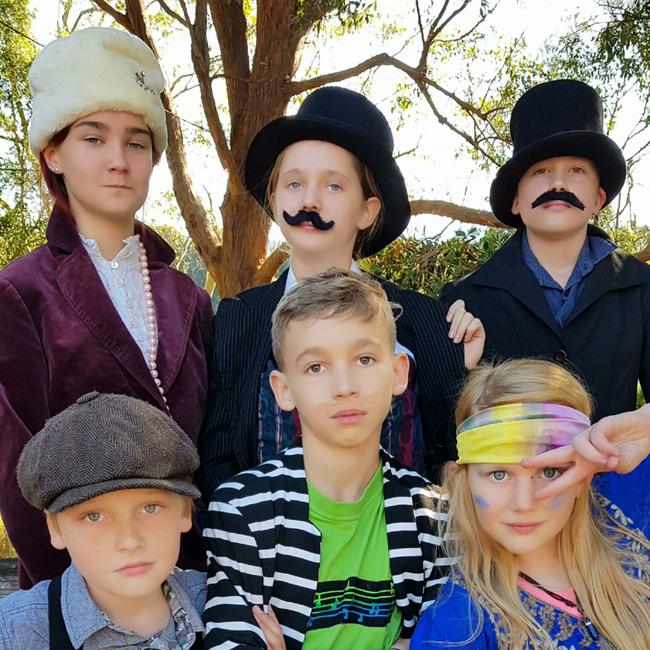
279	134
73	497
599	148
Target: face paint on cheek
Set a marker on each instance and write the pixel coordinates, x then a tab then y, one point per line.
556	502
481	503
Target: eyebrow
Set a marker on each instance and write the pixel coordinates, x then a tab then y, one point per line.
100	126
321	349
325	172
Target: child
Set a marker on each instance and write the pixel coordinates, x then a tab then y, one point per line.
328	178
335	535
114	477
568	571
98	307
559	288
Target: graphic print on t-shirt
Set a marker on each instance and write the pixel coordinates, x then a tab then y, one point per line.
352	601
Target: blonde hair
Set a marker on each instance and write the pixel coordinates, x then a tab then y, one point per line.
615	602
369	187
332	294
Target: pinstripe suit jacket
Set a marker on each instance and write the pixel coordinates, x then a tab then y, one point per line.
242	347
262	549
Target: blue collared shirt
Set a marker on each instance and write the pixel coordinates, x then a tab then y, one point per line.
24	621
562	300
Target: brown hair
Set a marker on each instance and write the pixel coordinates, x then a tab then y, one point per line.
332	294
369	187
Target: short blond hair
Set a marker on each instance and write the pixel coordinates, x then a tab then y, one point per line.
332	294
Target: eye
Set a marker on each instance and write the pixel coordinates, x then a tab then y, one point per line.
91	139
138	146
366	360
294	185
539	171
551	473
93	517
578	170
335	187
498	475
314	368
151	508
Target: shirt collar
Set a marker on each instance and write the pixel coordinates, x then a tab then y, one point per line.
83	618
129	252
292	280
594	250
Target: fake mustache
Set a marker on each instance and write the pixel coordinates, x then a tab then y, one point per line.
567	197
306	215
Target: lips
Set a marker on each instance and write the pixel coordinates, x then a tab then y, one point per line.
523	529
348	416
135	569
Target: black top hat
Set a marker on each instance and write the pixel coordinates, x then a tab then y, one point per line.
349	120
556	118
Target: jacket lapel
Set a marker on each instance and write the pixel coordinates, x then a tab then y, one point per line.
82	288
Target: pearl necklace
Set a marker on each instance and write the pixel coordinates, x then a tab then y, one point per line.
151	321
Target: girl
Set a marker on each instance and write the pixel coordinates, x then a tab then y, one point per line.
328	178
563	572
98	307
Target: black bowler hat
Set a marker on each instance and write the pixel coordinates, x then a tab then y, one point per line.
349	120
556	118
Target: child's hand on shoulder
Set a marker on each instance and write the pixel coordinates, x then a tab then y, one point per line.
270	627
468	329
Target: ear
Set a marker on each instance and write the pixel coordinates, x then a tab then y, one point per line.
51	156
281	390
600	200
515	205
56	539
369	213
400	372
186	520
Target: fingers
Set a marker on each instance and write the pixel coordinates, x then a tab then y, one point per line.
270	628
463	324
579	472
599	435
559	456
474	330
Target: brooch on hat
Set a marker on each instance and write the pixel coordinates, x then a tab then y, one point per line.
139	77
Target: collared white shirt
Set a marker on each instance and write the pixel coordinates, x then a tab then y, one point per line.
124	284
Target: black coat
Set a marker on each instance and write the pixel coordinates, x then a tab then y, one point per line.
242	348
605	340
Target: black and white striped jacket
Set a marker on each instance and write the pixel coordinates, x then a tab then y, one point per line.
262	549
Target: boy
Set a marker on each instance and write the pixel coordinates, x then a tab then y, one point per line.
560	288
335	535
114	477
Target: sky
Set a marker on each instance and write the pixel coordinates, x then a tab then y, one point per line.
437	169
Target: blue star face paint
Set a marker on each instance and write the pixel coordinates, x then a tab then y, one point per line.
556	502
481	502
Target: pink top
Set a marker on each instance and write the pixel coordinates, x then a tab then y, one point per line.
536	592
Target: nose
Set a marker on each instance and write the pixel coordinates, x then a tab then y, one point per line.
559	181
311	198
117	159
523	494
344	383
128	537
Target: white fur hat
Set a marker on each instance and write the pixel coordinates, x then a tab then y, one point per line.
96	69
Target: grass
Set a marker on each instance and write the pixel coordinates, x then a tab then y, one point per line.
6	549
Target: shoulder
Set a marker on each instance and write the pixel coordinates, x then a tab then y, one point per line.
410	299
23	271
193	584
24	621
455	619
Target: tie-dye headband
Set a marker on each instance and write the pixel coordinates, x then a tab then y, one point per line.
511	432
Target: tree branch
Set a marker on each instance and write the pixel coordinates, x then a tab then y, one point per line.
271	264
455	211
118	17
176	16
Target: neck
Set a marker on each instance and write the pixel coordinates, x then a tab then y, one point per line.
308	264
557	256
545	566
145	615
340	474
109	233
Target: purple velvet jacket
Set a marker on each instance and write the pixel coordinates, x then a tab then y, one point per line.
61	337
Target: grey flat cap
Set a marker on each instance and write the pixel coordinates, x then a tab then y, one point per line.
103	443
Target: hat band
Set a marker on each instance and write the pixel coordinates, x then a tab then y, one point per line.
511	432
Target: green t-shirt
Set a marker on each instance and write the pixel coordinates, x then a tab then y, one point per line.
354	604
